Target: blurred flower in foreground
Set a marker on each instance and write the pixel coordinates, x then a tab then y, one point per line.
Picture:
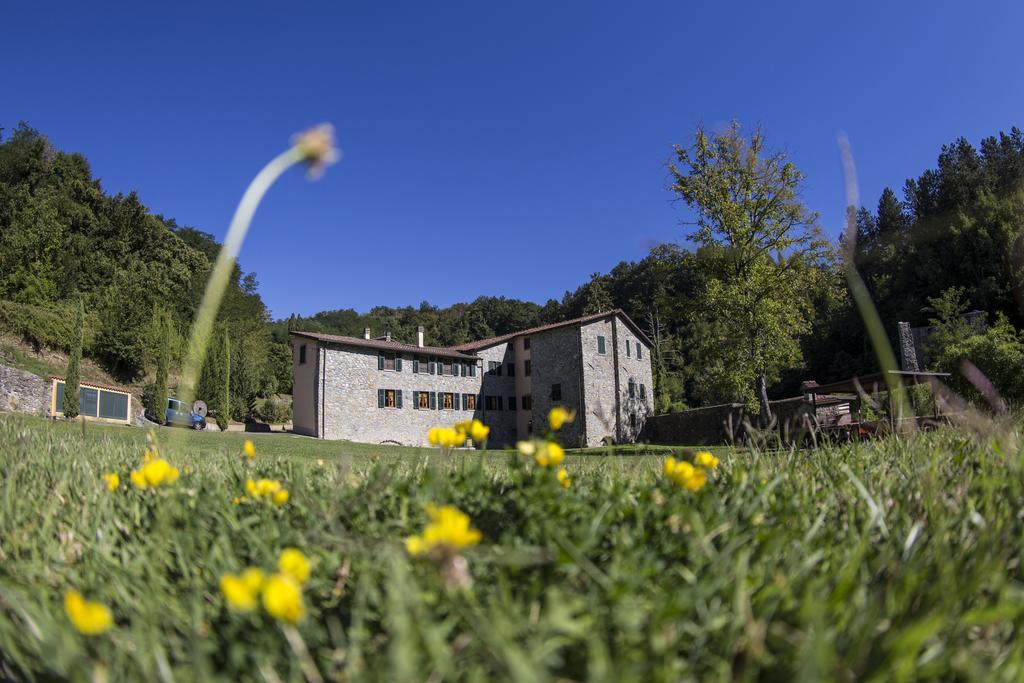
267	489
250	449
706	459
293	563
156	472
442	541
282	598
684	475
317	148
90	618
242	592
558	416
112	480
563	478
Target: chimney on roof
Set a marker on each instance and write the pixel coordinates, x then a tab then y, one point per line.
419	336
366	333
387	336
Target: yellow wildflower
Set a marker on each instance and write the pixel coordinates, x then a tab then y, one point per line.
563	478
282	598
526	448
550	455
558	416
448	530
112	480
478	431
250	449
281	497
237	500
706	459
154	473
293	563
685	475
267	489
239	593
250	487
90	618
434	436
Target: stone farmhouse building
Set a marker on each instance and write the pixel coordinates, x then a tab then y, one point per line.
380	390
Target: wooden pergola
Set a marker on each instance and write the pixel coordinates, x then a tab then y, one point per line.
877	382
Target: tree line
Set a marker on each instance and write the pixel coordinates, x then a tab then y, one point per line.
751	301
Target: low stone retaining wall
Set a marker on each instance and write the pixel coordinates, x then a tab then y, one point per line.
24	392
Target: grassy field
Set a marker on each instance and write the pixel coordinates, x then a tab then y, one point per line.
895	560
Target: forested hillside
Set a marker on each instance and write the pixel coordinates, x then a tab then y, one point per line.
62	237
952	243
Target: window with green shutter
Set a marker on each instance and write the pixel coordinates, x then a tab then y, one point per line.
398	365
398	398
415	365
380	362
380	398
432	400
600	345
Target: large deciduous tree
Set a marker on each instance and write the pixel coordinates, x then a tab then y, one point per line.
760	247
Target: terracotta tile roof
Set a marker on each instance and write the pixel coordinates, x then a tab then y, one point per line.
469	349
484	343
384	345
94	385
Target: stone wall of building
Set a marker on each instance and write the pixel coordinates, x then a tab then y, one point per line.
603	416
635	409
501	421
351	381
555	358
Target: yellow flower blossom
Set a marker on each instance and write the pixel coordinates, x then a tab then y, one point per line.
250	449
293	563
558	416
155	472
112	480
684	475
549	455
240	594
267	489
448	531
706	459
563	478
237	500
90	618
478	431
282	598
526	448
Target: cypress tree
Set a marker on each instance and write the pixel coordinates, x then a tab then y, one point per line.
71	377
225	406
163	361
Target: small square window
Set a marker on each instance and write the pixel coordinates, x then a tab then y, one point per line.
470	401
389	398
526	342
527	402
302	355
638	352
527	367
628	352
600	345
449	401
423	400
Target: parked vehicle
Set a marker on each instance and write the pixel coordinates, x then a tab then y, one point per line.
183	415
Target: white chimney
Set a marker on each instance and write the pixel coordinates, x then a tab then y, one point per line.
419	336
366	333
387	336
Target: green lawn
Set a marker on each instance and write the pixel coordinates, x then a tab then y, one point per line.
894	560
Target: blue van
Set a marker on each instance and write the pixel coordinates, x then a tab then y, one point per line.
181	414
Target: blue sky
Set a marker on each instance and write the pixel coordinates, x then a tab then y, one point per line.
490	148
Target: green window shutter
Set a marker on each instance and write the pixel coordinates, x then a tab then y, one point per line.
398	398
380	394
432	366
600	344
465	402
432	400
398	363
415	400
380	362
415	365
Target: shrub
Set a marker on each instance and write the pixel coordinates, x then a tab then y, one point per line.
46	326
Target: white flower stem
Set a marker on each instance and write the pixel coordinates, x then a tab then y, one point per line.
217	284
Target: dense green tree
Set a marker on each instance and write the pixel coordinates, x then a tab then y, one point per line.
763	249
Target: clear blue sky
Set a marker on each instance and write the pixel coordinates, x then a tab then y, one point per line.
490	148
